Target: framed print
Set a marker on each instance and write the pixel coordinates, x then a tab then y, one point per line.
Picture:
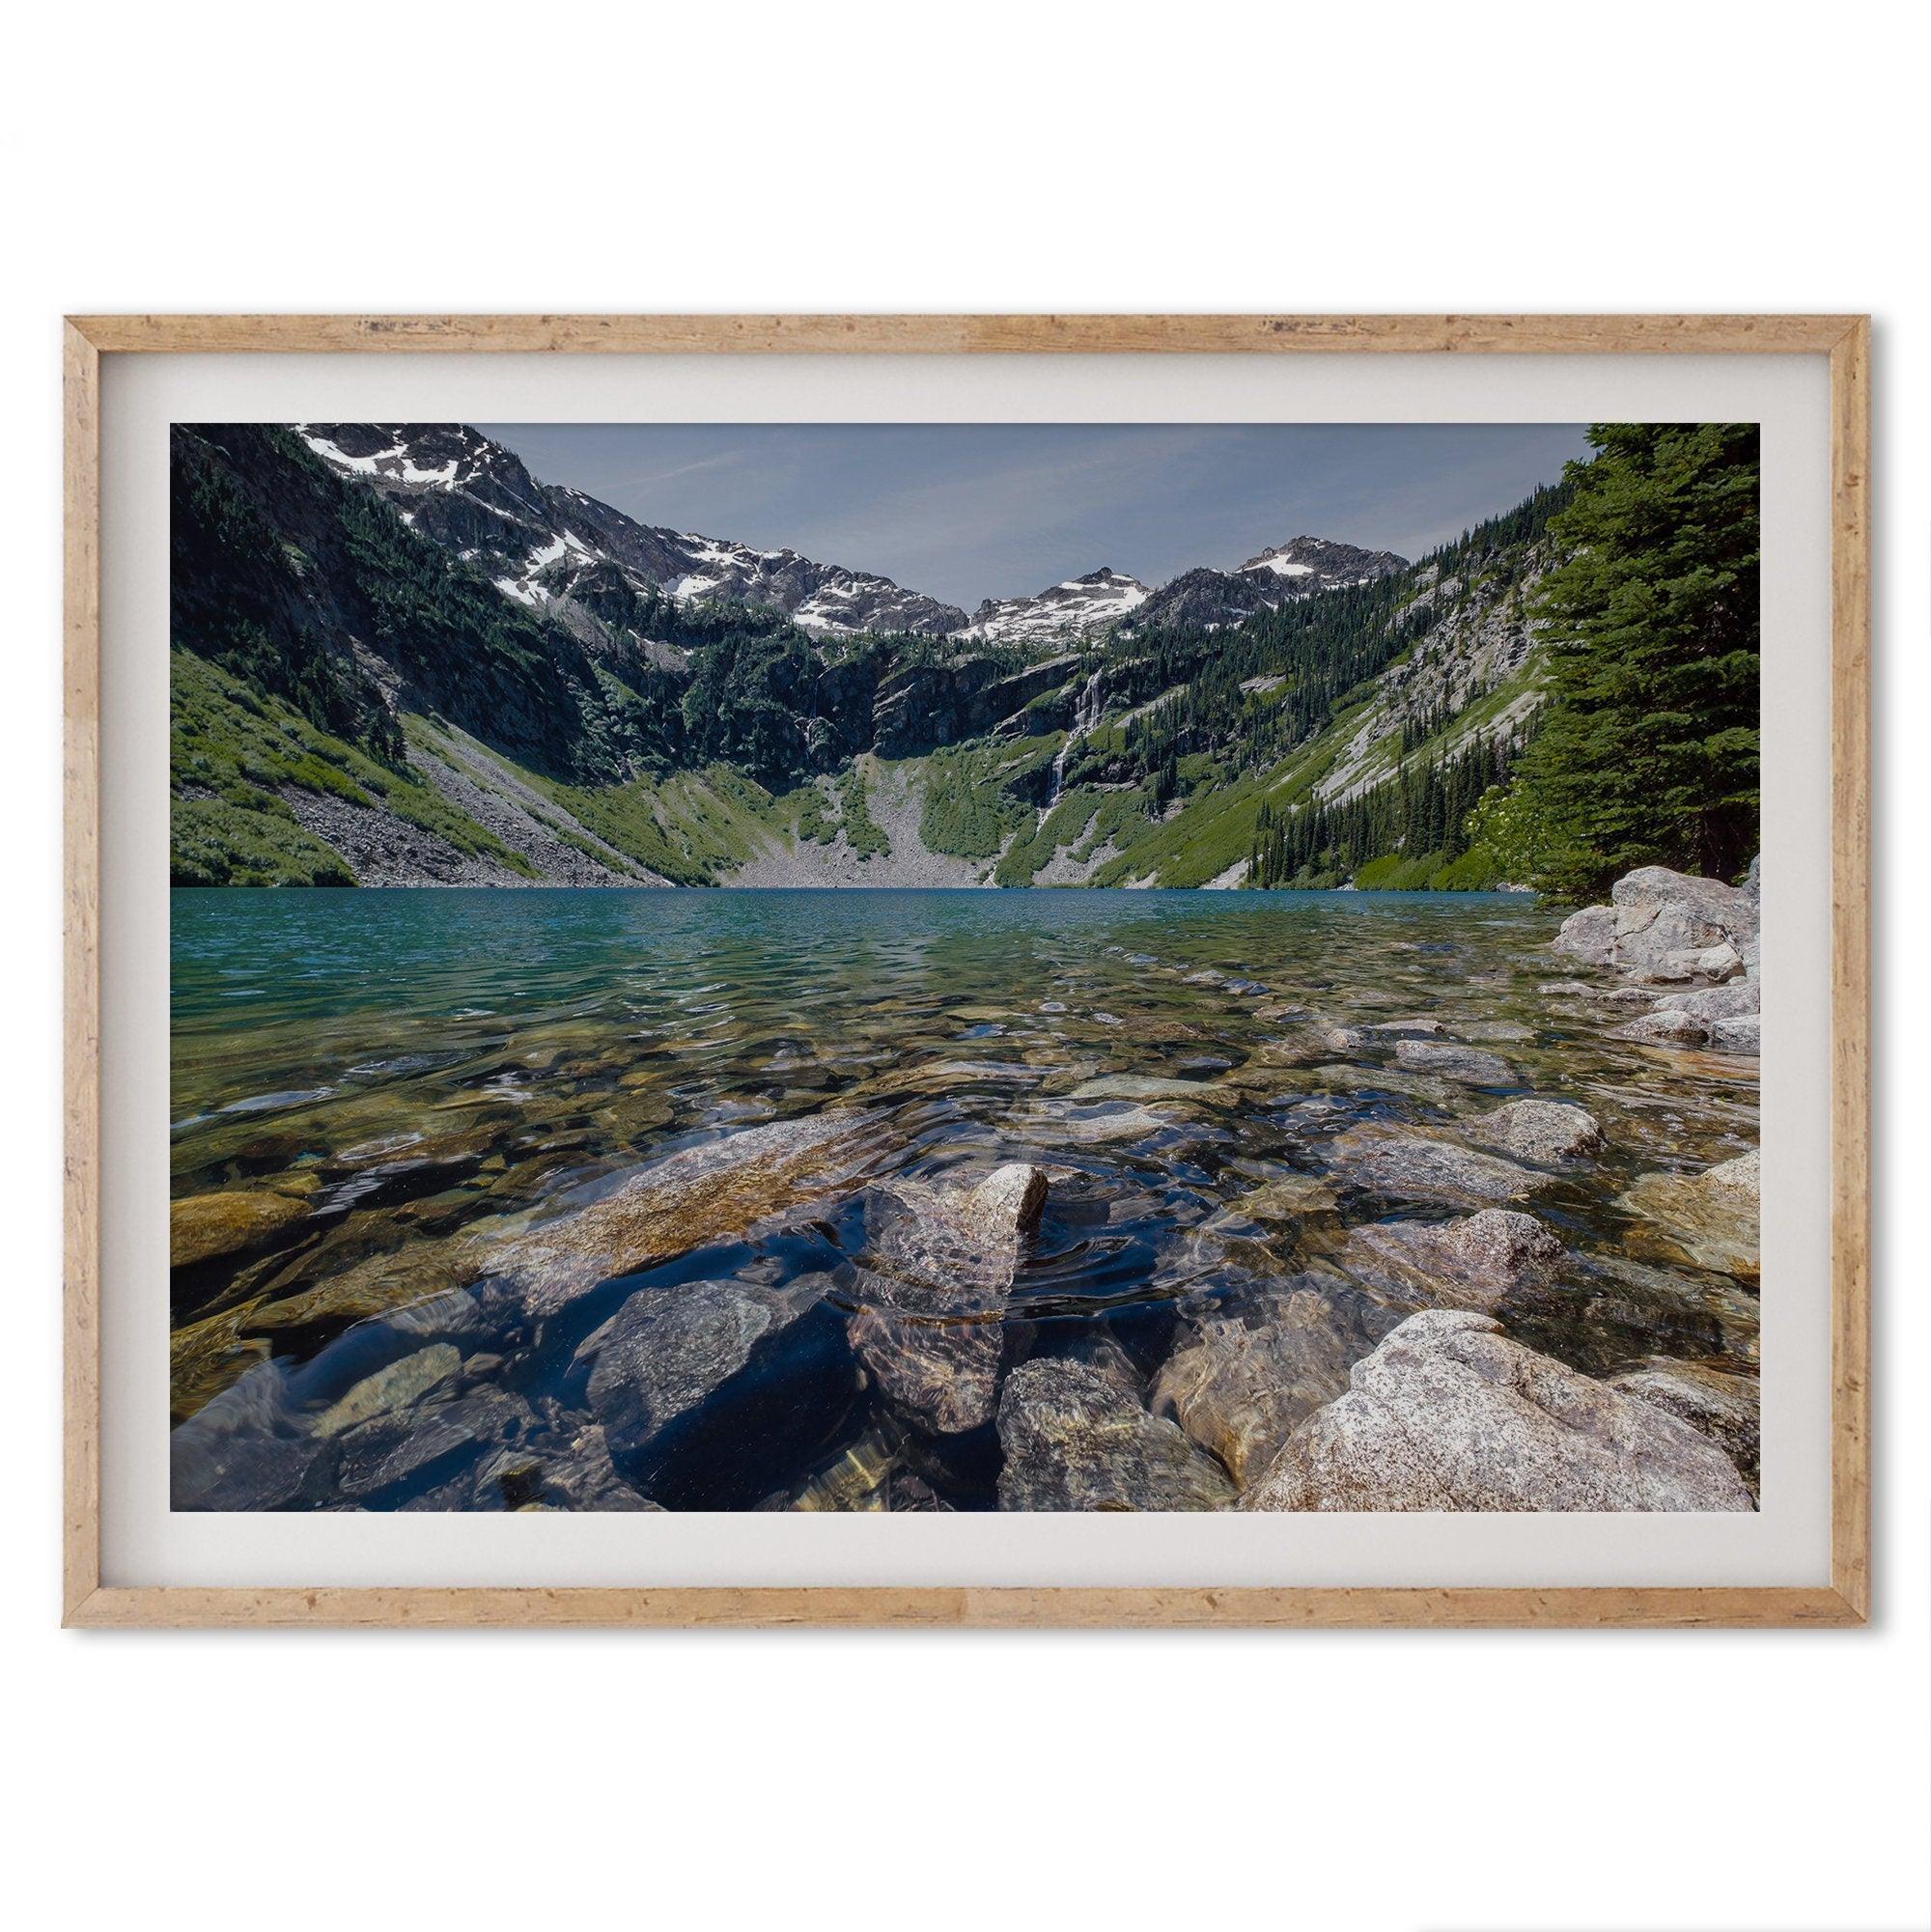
967	969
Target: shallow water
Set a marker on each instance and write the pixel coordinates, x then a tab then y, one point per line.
415	1065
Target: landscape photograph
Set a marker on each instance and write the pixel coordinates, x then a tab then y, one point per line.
1039	968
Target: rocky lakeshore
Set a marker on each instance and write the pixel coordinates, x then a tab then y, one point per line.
948	1201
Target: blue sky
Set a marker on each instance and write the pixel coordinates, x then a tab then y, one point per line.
969	511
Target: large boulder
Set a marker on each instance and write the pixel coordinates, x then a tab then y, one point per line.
1448	1414
1743	1034
1073	1438
1246	1377
1716	1002
1724	1406
1665	926
1589	936
1673	926
928	1324
1668	1027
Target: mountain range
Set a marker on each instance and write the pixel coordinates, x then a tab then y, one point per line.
401	658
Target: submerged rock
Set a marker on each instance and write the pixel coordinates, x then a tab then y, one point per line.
245	1449
1473	1263
203	1227
1074	1438
1446	1061
1448	1414
1099	1125
395	1387
1247	1377
377	1285
1710	1218
1548	1131
402	1446
1418	1167
686	1200
1724	1406
666	1351
1145	1086
1670	1026
930	1325
1495	1029
1291	1198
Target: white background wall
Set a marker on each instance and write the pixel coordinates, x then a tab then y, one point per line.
1428	157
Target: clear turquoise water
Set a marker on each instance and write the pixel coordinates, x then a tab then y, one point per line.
421	1062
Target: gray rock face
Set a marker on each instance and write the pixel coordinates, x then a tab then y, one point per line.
1590	935
1448	1414
1743	1034
1247	1377
1724	1406
1716	1002
1548	1131
1467	1065
1474	1263
929	1327
1415	1167
1074	1438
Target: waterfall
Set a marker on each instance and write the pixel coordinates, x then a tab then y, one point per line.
1086	716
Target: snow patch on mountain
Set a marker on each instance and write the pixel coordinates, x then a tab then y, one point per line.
1072	611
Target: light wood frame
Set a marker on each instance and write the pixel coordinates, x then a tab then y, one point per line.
1845	339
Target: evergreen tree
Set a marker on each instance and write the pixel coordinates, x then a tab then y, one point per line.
1648	748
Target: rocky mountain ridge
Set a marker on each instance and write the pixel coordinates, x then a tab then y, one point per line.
401	660
546	545
551	546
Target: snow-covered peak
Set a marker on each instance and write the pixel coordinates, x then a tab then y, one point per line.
1077	609
1304	563
544	545
414	456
